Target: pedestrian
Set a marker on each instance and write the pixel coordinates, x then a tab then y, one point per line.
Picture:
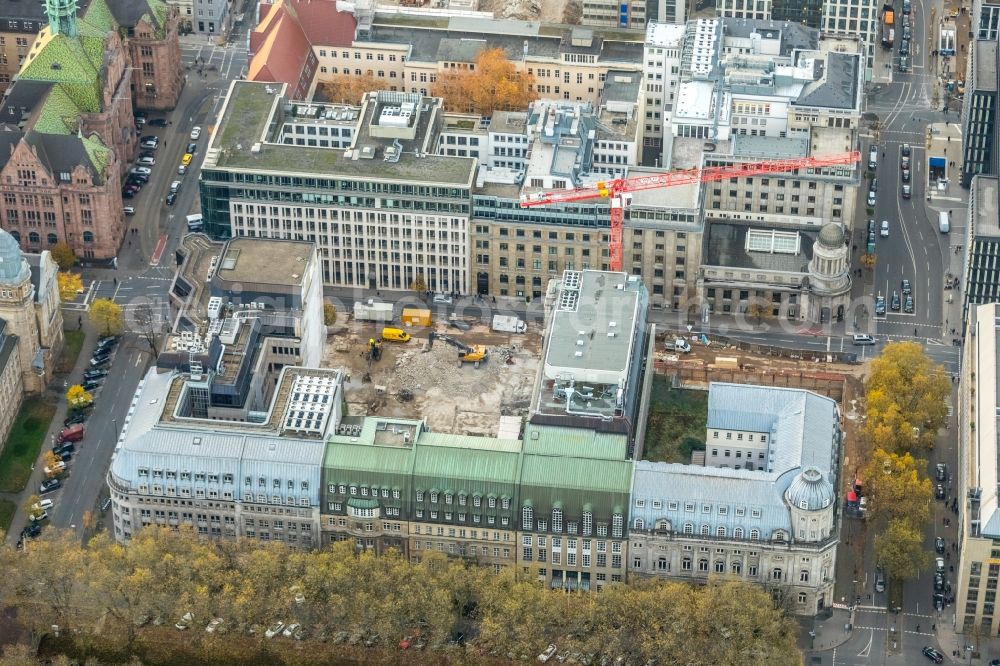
79	323
918	628
933	627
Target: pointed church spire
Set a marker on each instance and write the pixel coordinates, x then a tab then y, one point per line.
62	17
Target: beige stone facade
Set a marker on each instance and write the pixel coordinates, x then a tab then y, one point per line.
11	384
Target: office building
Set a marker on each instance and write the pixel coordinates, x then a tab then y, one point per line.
977	571
383	211
986	19
634	14
979	112
980	283
761	509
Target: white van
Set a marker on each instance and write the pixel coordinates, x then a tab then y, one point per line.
682	345
944	223
194	222
873	157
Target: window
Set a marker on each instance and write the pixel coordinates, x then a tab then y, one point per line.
776	573
527	517
754	535
557	520
804	576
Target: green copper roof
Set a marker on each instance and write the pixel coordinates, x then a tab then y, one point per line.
98	20
59	113
98	153
73	62
160	14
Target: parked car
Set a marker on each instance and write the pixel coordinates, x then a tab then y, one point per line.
941	472
880	305
158	122
906	175
170	198
939	582
444	299
863	339
129	210
149	145
176	186
96	373
78	417
182	169
145	171
108	341
895	303
74	433
31	531
185	621
291	629
939	492
939	545
931	653
939	603
128	194
57	468
68	447
906	191
908	305
151	138
90	384
274	630
192	148
49	485
195	133
907	289
939	564
905	150
871	198
214	625
146	161
98	362
43	505
65	456
139	122
186	159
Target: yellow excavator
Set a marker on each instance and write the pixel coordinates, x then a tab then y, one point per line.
373	353
474	354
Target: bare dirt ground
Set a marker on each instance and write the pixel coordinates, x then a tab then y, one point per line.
429	384
546	11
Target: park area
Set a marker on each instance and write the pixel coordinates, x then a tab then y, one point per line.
676	425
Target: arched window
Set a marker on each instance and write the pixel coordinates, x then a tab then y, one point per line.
88	237
639	523
776	574
738	533
754	535
737	568
720	566
688	528
527	517
705	529
34	238
52	239
720	531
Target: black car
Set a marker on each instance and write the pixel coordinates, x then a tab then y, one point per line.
939	492
128	194
905	150
79	417
880	305
171	198
101	354
895	303
939	545
111	340
49	485
147	153
906	288
96	373
31	531
933	654
65	447
192	148
158	122
90	385
939	582
65	456
908	305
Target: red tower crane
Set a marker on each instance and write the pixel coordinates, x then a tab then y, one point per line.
617	189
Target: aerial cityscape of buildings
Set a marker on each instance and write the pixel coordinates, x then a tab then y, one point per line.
354	312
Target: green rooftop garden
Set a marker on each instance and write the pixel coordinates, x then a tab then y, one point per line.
246	115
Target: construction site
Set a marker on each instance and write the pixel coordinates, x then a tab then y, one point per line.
459	381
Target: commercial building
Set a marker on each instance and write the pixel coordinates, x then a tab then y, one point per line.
31	309
207	17
986	19
383	211
980	283
633	14
978	569
979	111
20	23
761	509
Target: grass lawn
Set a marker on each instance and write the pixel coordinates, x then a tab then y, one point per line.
676	422
70	352
21	449
6	515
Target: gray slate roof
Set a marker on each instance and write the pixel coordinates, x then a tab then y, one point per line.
59	152
793	35
837	85
725	245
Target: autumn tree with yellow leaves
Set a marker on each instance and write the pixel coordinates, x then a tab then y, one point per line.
70	284
107	316
77	397
494	83
350	89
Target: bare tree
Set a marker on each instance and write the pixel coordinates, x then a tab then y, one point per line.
149	326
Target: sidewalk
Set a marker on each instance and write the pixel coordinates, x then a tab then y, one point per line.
829	631
56	389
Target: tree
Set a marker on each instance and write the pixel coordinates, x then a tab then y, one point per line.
495	83
905	390
418	285
77	397
63	255
348	89
329	313
51	462
148	326
106	315
869	259
899	549
31	507
70	284
895	488
758	311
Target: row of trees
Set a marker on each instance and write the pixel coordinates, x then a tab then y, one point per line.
905	396
166	574
493	83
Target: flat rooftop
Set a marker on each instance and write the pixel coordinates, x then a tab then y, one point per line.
244	141
280	262
593	323
985	74
727	244
985	205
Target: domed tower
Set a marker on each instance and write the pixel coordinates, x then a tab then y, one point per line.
62	17
32	313
810	499
829	275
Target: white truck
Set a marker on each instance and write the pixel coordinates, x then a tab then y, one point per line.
372	311
508	324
